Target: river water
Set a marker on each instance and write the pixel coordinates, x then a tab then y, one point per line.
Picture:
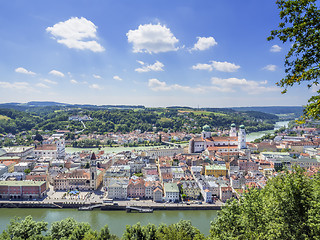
254	135
116	220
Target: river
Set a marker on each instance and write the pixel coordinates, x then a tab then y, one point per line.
116	220
254	135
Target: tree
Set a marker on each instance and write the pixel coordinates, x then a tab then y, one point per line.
287	208
24	229
105	234
63	229
300	26
27	171
38	137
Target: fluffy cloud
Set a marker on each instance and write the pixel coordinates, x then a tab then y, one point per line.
270	67
157	66
156	85
56	73
152	38
15	85
219	66
75	32
97	76
204	43
275	48
49	81
74	81
24	71
95	86
117	78
234	84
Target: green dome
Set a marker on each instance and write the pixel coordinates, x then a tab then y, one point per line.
206	128
233	125
242	126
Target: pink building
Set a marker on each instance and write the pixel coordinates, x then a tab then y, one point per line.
136	188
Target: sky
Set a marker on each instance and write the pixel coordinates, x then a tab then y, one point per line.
197	53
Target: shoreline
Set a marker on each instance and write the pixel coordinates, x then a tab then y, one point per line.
108	207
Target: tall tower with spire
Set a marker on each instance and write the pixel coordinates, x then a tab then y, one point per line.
242	138
93	172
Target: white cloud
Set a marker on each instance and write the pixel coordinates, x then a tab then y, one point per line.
225	66
270	67
203	66
152	38
204	43
15	85
97	76
117	78
156	85
24	71
219	66
74	81
75	32
157	66
275	48
42	85
234	84
56	73
95	86
49	81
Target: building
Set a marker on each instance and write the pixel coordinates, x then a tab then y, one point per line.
216	170
171	192
3	169
225	193
218	144
117	189
22	166
19	151
53	149
22	189
136	188
158	194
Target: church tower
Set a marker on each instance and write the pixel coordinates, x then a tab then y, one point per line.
206	132
233	131
242	138
93	172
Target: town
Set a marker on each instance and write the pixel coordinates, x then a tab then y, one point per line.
207	171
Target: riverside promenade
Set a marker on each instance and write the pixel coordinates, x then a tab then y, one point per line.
115	206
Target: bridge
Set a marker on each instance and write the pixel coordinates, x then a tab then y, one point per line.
89	208
140	210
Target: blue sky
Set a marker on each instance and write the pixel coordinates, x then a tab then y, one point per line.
206	53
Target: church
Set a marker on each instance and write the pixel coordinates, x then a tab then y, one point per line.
233	143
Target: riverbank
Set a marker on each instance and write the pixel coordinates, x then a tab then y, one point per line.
118	206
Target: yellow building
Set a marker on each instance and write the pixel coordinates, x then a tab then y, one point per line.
216	170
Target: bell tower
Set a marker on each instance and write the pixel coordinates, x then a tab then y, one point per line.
93	172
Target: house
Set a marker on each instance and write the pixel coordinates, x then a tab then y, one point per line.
117	189
225	193
171	192
158	194
136	187
216	170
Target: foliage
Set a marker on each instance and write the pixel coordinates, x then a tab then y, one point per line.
128	120
24	229
300	27
287	208
183	230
